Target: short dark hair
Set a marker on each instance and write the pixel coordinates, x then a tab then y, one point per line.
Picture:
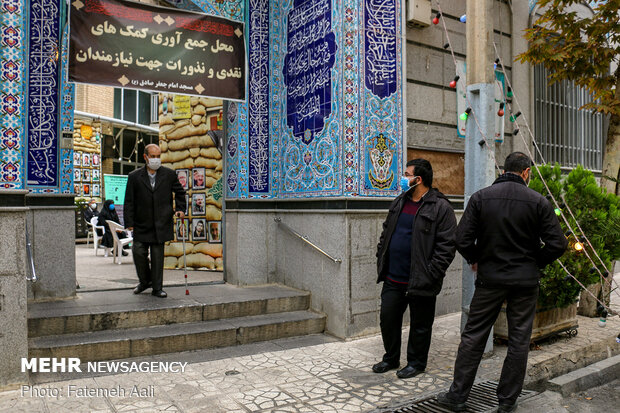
423	169
150	145
517	162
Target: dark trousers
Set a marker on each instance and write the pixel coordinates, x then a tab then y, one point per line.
153	272
484	309
394	302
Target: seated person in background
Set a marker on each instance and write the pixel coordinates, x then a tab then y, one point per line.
90	211
108	213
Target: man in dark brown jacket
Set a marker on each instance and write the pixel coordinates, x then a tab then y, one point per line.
148	212
415	249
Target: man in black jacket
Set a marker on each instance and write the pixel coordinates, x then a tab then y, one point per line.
148	212
500	236
416	247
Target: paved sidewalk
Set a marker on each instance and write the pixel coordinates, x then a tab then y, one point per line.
310	374
96	272
605	398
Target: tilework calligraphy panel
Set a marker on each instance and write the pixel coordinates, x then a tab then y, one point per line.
258	99
335	96
381	127
12	94
43	96
307	75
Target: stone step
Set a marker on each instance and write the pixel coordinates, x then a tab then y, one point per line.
110	310
146	341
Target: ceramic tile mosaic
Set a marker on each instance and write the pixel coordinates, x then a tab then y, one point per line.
11	95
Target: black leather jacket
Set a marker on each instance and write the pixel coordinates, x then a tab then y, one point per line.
432	242
502	229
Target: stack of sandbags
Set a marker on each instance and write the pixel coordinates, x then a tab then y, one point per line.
185	144
86	144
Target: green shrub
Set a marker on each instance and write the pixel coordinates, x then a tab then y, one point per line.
598	215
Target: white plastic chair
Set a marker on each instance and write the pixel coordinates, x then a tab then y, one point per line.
94	227
119	243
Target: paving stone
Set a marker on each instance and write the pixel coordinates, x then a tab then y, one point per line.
321	374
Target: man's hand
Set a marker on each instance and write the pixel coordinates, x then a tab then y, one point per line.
179	214
130	228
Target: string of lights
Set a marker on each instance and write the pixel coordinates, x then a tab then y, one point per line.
578	245
453	84
559	207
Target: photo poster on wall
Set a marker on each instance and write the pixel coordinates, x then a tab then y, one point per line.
189	143
87	159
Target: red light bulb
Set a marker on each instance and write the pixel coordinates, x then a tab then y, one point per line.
435	20
500	112
453	84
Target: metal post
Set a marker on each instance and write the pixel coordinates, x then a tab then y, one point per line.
479	148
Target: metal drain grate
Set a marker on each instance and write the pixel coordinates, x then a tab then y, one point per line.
481	399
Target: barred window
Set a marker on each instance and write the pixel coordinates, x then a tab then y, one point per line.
564	133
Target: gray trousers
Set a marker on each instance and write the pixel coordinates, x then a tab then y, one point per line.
149	273
484	309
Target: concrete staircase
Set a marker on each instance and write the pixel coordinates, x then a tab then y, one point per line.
118	324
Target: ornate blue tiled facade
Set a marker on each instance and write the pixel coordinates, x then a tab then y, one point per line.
324	111
42	167
12	43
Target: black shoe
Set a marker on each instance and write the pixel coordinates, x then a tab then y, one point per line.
408	372
445	401
506	408
140	287
383	366
159	293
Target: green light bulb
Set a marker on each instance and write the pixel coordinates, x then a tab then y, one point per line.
463	116
558	211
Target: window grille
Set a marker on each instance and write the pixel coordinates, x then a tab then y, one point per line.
155	108
564	133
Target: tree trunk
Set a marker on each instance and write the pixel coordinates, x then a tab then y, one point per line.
611	157
611	153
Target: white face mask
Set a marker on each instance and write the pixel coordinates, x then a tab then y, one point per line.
154	163
93	206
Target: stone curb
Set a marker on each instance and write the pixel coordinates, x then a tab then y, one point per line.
585	378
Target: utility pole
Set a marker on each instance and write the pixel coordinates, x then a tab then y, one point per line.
479	155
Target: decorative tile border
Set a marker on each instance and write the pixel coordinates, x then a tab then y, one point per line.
350	98
12	94
67	106
232	150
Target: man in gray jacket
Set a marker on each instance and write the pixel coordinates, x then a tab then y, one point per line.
148	211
